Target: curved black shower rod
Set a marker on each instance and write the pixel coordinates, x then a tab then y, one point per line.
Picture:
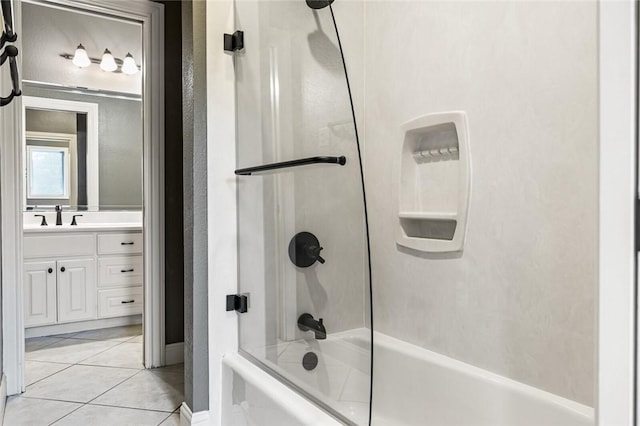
293	163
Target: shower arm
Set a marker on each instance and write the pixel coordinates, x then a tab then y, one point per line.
293	163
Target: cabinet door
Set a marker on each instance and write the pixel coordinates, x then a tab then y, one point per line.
39	293
77	297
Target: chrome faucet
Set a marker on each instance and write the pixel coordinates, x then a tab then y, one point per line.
307	323
58	215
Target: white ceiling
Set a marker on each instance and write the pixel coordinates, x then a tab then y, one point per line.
48	32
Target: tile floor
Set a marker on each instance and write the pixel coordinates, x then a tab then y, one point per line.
95	378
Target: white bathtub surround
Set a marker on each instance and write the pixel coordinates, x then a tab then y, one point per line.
520	301
412	386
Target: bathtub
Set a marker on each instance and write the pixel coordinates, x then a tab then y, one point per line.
412	386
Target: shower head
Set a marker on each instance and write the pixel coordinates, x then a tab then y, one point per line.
318	4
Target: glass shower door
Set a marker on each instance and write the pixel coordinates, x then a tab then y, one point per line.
303	252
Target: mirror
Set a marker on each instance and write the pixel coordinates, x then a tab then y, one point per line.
82	155
61	153
83	140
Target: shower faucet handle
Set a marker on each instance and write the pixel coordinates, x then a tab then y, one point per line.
304	250
313	252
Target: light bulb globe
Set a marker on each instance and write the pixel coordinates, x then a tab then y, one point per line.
108	62
129	66
80	57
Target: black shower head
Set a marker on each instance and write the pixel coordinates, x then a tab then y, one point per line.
318	4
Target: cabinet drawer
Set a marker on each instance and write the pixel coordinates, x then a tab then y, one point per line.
59	245
120	243
120	271
119	302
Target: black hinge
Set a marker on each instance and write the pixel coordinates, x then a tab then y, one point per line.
234	42
236	302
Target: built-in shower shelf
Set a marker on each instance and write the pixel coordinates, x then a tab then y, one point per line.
428	216
435	183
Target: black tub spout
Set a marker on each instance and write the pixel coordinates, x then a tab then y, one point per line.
307	323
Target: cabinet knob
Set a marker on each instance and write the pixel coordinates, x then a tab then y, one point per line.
50	270
63	269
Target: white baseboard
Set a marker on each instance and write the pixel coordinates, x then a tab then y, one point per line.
174	353
3	397
74	327
187	418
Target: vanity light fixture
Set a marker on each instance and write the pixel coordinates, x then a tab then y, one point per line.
129	66
81	58
108	62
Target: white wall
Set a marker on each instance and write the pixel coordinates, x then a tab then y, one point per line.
520	301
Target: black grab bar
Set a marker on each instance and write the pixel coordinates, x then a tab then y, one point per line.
293	163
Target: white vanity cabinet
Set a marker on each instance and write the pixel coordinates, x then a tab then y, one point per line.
59	291
81	276
76	290
39	293
120	278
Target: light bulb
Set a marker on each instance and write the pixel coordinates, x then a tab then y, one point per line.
80	58
129	65
108	62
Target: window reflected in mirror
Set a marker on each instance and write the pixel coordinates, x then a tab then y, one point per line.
48	173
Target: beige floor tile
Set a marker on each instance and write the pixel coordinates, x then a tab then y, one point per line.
159	389
36	370
125	355
70	351
96	415
35	343
172	420
35	412
120	334
79	383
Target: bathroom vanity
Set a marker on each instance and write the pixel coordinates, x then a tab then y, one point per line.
87	272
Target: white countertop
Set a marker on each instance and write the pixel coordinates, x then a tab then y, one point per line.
86	227
88	221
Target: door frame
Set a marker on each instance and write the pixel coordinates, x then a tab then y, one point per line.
151	16
616	366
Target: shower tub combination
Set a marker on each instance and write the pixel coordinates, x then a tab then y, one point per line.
307	355
411	386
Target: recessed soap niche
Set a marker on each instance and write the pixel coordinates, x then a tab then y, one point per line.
435	183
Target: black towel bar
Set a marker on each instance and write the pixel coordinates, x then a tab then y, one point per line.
293	163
